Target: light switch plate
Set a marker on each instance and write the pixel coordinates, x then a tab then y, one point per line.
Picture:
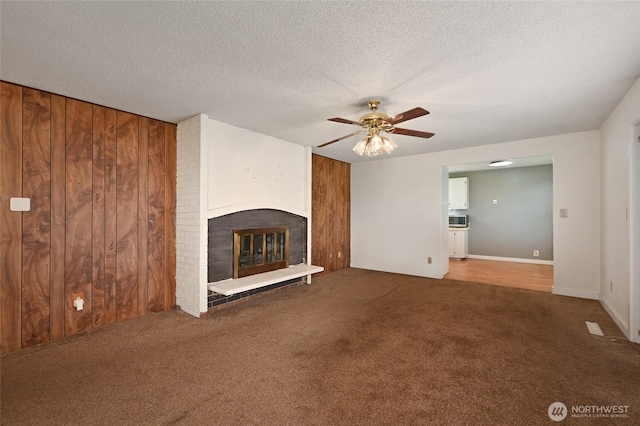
18	204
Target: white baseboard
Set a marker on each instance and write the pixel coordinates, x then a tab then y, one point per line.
572	292
511	259
616	318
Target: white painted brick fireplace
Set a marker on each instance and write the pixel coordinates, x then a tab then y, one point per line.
223	169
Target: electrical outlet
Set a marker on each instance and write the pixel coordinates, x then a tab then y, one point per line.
536	253
330	255
78	301
428	259
339	255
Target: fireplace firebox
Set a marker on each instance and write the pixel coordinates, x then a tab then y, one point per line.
260	250
220	238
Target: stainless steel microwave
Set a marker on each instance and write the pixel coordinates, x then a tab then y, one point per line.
459	221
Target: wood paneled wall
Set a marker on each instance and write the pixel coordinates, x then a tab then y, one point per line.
101	225
331	213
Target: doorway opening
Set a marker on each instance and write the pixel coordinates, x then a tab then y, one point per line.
509	237
634	296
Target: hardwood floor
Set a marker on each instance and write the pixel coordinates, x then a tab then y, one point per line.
529	276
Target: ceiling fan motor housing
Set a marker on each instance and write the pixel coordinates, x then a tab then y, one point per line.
375	118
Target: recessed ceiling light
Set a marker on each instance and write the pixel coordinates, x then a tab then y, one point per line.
500	163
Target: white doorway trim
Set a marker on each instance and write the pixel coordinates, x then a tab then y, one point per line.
634	227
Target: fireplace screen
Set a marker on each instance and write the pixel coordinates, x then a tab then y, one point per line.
260	250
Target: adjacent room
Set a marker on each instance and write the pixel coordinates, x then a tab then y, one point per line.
501	222
319	213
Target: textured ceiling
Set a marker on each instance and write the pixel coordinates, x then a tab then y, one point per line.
488	72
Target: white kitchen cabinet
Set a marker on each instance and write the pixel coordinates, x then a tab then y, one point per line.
459	193
458	243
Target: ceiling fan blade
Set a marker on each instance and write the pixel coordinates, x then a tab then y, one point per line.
339	139
343	120
416	133
408	115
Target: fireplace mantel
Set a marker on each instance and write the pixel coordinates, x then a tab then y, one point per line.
233	286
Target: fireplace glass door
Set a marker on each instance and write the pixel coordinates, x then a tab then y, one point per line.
260	250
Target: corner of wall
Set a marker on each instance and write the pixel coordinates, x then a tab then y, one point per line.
307	201
617	186
616	317
191	241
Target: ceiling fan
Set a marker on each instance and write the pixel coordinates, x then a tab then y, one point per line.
375	122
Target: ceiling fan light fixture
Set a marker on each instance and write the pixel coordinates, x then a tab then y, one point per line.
374	144
500	163
360	147
388	145
372	148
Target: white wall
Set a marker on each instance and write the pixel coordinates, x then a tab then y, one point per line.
248	170
400	206
616	141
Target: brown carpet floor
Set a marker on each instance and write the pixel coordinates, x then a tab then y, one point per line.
355	347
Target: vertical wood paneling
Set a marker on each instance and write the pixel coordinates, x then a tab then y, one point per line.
10	222
78	246
110	234
58	212
156	229
98	211
102	218
36	223
318	210
170	214
346	215
143	215
331	213
344	207
127	216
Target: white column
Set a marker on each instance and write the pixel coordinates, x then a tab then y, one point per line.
191	216
307	201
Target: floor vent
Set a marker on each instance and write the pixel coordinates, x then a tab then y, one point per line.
594	328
